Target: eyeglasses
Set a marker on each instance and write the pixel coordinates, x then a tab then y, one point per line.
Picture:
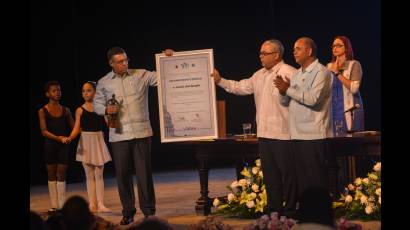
266	53
125	61
337	46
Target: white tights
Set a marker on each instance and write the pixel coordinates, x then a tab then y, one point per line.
95	183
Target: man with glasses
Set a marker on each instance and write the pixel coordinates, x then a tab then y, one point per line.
130	138
272	122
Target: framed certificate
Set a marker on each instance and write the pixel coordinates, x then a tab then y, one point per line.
186	95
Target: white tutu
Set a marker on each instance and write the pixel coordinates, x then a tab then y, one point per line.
92	149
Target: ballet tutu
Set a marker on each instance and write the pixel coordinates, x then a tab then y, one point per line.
92	149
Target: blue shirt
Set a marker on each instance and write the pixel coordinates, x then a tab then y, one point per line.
309	99
131	90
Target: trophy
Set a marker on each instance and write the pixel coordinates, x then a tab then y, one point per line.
113	118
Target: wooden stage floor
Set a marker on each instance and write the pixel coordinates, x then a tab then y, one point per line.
176	193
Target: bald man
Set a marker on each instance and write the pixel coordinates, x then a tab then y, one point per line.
308	96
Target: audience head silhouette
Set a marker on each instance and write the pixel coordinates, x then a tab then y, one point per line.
150	223
36	222
76	215
315	206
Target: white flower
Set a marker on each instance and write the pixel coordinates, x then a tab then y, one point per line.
351	187
380	200
253	195
250	204
261	174
231	197
378	167
372	176
242	182
258	162
216	202
358	181
255	187
363	199
348	199
379	191
365	180
255	170
234	184
368	209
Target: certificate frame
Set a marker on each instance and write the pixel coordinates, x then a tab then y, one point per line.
186	96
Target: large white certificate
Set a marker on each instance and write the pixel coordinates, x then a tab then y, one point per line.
186	95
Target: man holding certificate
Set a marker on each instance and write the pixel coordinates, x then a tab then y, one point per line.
272	122
122	95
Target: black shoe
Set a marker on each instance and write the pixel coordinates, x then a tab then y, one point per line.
126	220
52	211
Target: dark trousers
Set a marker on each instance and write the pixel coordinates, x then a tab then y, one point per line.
311	163
279	175
137	153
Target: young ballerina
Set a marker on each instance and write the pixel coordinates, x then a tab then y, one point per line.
55	125
92	150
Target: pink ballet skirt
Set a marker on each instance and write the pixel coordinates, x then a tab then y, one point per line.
92	149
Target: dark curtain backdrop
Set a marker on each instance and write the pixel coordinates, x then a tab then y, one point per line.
69	39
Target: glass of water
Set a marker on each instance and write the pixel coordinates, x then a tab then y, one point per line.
338	128
247	130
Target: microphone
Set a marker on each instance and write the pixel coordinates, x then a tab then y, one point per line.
356	106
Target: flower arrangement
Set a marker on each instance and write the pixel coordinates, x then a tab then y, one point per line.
363	199
283	223
247	197
272	223
344	224
210	222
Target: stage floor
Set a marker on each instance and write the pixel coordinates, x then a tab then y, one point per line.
176	193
